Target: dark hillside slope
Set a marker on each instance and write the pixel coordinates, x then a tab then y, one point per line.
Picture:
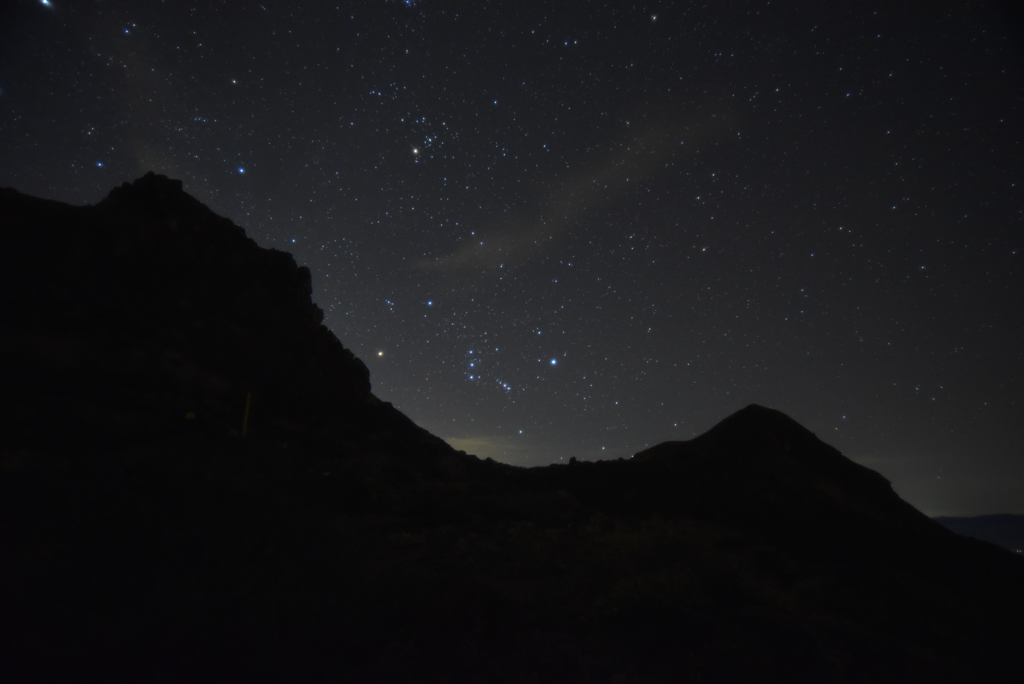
122	319
144	538
1004	530
760	471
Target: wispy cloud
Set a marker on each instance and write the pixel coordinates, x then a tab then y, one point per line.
646	149
500	448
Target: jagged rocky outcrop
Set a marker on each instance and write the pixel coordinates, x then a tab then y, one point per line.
148	315
143	538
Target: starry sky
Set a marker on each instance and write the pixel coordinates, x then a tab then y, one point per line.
583	228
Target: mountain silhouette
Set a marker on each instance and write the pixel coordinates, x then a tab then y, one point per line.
1003	530
198	484
128	316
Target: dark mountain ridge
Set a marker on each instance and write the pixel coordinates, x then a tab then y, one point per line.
146	538
1002	530
131	314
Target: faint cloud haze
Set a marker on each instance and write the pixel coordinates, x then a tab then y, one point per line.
499	448
645	149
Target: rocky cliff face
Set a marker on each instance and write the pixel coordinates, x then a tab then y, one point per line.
148	315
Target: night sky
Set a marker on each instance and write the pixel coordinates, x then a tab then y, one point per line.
580	229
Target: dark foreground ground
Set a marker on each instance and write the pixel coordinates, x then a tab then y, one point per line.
239	560
143	538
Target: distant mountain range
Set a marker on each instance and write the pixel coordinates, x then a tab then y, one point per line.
1003	530
198	484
